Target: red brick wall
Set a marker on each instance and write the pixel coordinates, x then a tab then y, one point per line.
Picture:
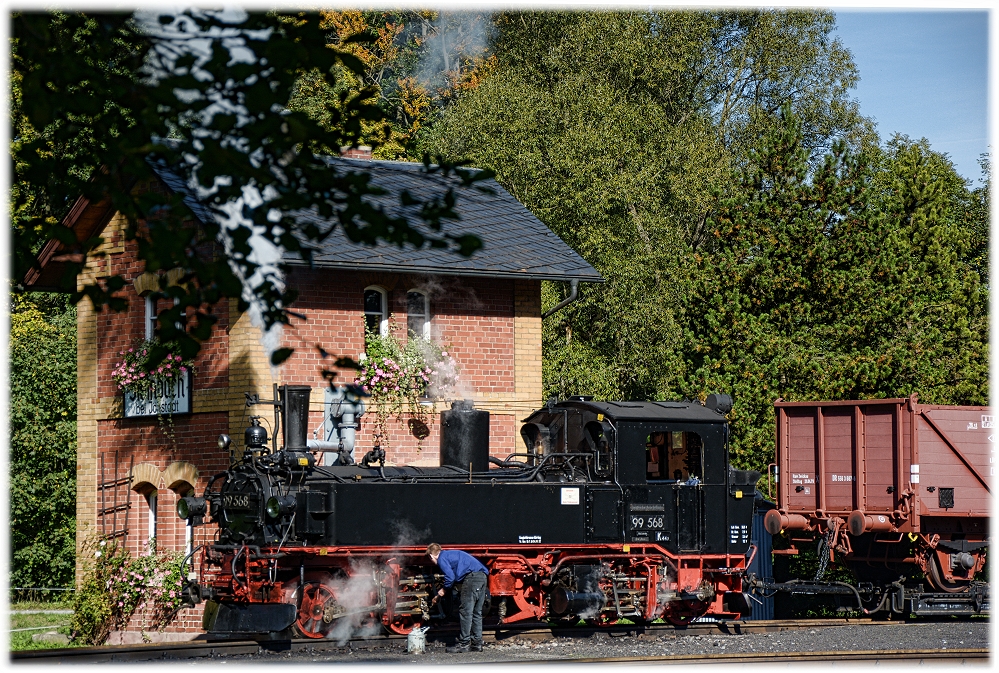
118	331
472	317
143	441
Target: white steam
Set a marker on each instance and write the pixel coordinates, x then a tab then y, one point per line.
451	41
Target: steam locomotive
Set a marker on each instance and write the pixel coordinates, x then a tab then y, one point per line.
613	510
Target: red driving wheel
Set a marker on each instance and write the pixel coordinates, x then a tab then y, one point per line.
403	625
311	622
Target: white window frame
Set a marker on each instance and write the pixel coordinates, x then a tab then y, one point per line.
426	311
383	322
150	326
151	499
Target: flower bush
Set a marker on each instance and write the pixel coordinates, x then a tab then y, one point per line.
131	375
400	377
115	585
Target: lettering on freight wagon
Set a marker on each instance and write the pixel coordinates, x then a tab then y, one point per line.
986	422
843	477
802	479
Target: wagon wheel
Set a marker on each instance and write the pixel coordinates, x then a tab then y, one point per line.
315	616
938	581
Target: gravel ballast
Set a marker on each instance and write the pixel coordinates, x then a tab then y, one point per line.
878	636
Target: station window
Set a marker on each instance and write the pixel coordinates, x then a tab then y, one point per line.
150	324
151	502
376	310
673	456
418	314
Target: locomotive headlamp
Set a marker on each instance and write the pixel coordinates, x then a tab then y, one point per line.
280	504
190	506
224	442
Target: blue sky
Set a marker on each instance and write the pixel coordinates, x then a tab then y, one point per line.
924	74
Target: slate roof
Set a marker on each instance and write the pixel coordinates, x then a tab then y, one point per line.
515	243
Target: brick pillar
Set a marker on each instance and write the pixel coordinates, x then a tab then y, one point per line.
87	412
527	342
249	372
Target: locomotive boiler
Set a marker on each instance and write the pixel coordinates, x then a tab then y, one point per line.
611	510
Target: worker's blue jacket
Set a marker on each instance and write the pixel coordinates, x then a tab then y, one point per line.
456	564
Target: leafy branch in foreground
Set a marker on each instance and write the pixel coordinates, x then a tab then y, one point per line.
103	103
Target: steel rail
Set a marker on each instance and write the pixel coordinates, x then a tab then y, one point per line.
867	656
494	633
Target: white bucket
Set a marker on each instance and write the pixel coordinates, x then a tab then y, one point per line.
416	642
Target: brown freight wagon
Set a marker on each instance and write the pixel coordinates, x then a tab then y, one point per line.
890	484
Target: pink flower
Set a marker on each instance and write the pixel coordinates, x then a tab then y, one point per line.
183	370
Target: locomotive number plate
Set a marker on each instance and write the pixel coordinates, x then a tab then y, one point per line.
235	501
647	521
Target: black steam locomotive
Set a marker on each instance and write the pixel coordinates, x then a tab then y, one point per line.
612	510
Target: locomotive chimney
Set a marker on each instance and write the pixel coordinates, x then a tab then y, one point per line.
295	401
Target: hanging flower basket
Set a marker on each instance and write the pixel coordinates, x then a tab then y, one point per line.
404	379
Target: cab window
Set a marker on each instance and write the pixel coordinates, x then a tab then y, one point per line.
673	456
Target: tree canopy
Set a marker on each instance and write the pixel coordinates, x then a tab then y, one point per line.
756	236
42	441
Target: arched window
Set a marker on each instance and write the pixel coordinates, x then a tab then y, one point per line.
418	314
375	310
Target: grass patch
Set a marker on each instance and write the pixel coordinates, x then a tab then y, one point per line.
21	640
42	605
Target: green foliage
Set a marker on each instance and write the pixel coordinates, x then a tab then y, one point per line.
101	99
755	238
616	129
115	585
846	280
42	441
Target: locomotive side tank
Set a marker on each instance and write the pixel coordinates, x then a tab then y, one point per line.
890	484
613	509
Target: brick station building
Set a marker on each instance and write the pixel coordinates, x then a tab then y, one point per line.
486	309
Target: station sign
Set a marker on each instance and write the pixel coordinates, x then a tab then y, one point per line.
162	396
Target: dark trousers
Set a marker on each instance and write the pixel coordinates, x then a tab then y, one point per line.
473	595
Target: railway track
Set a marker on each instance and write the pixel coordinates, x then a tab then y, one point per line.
537	632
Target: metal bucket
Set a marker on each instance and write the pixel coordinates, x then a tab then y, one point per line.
416	642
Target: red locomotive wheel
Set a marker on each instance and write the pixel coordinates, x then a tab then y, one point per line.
403	625
315	614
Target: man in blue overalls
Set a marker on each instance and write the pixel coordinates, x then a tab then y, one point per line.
466	570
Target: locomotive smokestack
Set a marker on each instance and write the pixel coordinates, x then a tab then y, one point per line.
296	417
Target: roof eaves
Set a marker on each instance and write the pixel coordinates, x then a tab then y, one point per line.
445	271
